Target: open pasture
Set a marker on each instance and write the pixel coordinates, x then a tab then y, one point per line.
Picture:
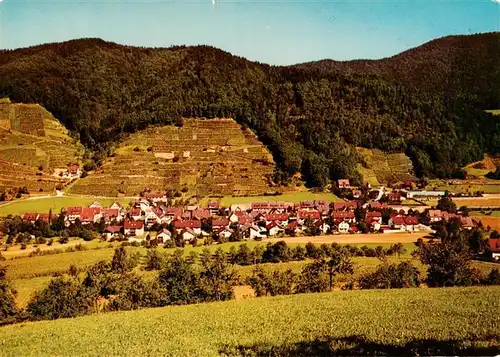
54	203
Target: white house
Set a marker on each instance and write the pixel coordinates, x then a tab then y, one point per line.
343	227
188	234
225	232
164	235
274	229
133	228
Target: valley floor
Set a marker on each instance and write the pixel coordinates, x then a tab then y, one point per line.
459	321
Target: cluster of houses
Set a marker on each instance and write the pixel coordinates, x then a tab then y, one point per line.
249	221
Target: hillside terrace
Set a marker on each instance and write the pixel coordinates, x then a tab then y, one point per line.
150	216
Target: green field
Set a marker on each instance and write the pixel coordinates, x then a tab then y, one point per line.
376	321
479	214
286	197
41	205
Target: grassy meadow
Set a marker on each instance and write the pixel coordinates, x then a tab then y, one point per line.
29	274
367	322
41	205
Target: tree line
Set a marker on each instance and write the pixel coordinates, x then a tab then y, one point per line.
118	285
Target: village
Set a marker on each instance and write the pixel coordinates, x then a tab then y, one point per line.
153	217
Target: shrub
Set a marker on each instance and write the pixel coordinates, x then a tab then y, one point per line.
9	312
137	149
390	276
275	283
61	298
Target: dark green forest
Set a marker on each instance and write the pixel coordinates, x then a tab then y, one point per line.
428	102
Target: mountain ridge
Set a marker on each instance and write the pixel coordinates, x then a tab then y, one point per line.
310	116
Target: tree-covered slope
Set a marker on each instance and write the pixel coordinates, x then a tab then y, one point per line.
310	116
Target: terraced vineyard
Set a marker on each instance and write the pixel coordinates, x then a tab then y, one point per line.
382	168
208	157
33	145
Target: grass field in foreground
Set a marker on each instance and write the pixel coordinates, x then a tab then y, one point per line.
311	324
41	205
286	197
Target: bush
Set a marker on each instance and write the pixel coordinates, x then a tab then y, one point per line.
272	283
61	298
391	276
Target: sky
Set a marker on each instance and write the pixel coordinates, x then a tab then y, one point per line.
280	32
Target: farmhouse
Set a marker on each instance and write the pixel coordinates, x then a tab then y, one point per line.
133	228
112	232
163	236
193	225
30	217
188	234
274	229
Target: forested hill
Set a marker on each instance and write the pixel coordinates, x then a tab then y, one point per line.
456	65
311	116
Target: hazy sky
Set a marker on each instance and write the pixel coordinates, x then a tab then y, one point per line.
272	31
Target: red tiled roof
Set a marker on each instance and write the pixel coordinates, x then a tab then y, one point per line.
307	204
132	225
110	212
220	223
337	206
293	224
494	243
135	212
30	216
376	204
245	219
343	214
398	220
411	221
113	229
201	213
154	195
87	215
373	214
311	215
260	205
213	205
43	217
173	211
187	224
276	217
74	210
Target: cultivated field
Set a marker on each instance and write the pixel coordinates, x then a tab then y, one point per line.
487	201
41	205
204	157
32	145
380	168
388	238
492	221
368	322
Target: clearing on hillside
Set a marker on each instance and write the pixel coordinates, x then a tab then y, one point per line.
33	147
380	168
204	156
457	321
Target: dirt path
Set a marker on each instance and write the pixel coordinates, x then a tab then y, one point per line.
355	238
